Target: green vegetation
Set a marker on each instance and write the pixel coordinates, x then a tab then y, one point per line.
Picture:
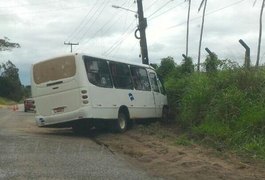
224	106
10	85
4	101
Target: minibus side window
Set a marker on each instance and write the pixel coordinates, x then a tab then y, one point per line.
98	72
121	75
140	78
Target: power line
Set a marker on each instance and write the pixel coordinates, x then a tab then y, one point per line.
117	43
110	24
104	4
166	11
151	5
159	9
82	21
209	13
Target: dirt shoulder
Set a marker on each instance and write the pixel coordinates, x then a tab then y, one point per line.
161	154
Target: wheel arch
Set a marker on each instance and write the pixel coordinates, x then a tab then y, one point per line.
125	110
165	106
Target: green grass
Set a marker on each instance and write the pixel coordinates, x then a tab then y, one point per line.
4	101
226	108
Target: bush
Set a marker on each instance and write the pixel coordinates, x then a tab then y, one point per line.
227	106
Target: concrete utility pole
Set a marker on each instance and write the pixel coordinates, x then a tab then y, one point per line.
71	44
209	51
247	54
141	28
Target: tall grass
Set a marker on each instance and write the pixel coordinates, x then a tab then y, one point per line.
227	107
4	101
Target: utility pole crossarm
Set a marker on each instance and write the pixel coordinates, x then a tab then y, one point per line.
71	44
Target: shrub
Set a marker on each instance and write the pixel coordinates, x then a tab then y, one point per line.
226	105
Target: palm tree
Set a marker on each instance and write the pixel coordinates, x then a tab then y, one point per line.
260	31
188	27
200	42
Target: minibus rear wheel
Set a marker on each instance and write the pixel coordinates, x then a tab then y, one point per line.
121	124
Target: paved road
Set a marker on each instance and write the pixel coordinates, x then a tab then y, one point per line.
29	152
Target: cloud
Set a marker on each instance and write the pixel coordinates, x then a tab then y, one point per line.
41	27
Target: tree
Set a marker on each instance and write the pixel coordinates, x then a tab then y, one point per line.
204	4
10	85
166	67
6	45
10	71
211	63
260	32
187	66
188	28
155	66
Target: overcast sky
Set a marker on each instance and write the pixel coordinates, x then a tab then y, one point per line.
42	26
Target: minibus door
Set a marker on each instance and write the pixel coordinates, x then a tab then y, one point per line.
156	93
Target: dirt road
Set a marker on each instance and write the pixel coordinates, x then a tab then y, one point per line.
136	154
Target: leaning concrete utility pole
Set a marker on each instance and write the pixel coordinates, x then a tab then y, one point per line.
247	53
141	28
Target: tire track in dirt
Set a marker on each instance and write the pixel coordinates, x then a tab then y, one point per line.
160	158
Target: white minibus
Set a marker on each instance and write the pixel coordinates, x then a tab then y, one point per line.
79	91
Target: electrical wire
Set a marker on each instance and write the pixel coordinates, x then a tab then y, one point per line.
110	24
81	22
166	11
159	9
104	4
154	2
209	13
117	43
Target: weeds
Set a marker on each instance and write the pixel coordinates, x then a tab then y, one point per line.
227	107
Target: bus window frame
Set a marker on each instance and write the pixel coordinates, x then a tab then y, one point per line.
155	78
98	83
144	87
117	83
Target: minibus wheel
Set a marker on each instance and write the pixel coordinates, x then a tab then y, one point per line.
121	123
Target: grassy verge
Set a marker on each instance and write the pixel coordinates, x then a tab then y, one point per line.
225	109
5	102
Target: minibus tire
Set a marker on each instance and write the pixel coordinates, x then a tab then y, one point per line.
121	124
